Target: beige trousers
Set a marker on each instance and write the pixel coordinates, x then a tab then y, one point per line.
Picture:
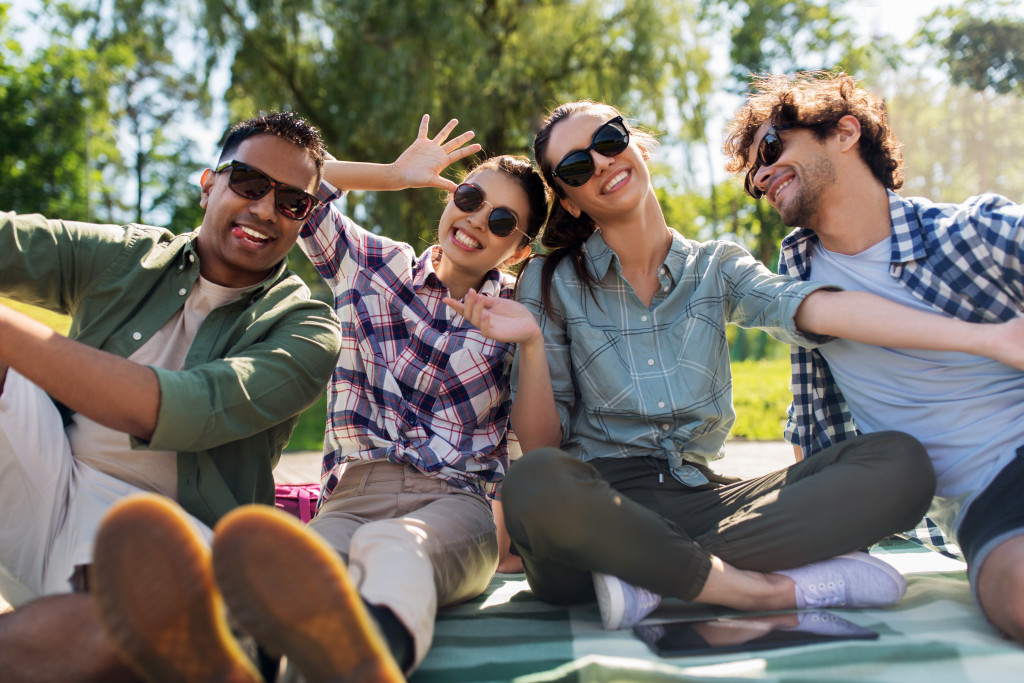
412	543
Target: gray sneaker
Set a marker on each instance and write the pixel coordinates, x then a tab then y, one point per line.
622	605
851	580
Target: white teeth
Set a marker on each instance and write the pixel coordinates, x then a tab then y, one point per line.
783	186
253	234
464	239
616	179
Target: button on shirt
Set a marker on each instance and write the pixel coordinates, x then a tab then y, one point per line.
416	383
632	380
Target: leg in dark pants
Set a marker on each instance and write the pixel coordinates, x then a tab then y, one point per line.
568	521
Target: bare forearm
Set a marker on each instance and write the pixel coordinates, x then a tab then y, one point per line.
870	319
534	413
359	176
113	391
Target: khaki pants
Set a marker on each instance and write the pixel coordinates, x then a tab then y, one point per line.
412	543
628	517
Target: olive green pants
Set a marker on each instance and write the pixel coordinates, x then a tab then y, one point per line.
630	518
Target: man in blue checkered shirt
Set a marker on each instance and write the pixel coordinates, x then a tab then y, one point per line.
820	149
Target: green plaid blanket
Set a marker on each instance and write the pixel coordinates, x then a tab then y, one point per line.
934	634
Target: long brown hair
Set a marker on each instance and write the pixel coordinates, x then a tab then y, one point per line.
565	234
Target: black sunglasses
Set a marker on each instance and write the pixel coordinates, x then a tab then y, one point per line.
768	152
610	140
291	202
501	221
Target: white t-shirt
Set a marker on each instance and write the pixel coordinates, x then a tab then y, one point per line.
967	410
109	450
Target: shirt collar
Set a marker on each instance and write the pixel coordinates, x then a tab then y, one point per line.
425	274
600	256
907	237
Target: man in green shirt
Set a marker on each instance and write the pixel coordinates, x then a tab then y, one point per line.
187	363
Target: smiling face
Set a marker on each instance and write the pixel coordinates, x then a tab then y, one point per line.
619	183
241	240
798	183
469	249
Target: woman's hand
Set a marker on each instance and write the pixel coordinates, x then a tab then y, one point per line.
420	165
499	319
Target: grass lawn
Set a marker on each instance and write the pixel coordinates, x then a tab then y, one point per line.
760	394
55	321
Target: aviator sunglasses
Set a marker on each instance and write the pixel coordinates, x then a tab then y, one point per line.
610	140
768	152
291	202
500	221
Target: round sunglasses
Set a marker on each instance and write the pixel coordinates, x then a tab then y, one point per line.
768	152
251	183
577	167
500	221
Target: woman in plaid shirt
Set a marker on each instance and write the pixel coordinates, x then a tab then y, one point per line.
623	401
417	435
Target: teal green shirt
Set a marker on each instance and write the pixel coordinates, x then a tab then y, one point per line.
637	380
253	366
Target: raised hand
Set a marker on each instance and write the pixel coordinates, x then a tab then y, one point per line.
499	319
420	165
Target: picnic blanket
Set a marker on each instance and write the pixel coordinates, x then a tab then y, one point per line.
934	634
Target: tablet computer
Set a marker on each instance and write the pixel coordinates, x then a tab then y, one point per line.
749	633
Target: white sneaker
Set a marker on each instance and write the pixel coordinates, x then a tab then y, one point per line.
622	605
851	580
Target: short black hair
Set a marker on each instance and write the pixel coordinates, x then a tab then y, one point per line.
283	124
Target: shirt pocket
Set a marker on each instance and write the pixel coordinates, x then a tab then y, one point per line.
603	375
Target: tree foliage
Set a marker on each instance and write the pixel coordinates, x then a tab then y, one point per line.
49	128
364	71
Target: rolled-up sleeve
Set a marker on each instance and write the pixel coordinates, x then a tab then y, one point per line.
249	390
763	299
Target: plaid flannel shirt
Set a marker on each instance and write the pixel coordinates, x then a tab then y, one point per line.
415	383
966	260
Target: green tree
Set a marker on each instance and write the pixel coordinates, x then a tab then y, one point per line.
49	124
157	89
364	70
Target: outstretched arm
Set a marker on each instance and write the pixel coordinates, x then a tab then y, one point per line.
871	319
106	388
420	165
534	413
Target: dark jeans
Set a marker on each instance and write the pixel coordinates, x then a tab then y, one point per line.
630	518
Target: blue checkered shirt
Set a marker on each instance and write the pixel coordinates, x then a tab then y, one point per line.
966	260
415	383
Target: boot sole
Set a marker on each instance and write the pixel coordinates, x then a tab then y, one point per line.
153	588
291	591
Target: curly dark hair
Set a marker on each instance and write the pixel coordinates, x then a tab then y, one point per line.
283	124
816	100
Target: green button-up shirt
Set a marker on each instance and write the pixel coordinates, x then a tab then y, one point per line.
637	380
253	366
